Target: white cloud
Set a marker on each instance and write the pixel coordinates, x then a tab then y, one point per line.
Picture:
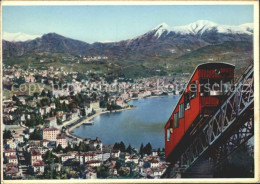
18	36
106	41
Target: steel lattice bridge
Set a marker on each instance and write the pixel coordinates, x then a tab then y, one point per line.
225	130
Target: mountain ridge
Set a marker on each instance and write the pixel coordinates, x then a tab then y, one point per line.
246	28
148	52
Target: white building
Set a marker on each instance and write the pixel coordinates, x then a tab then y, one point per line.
61	139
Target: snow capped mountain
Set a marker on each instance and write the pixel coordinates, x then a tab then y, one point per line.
105	41
249	25
198	27
202	26
163	40
160	29
19	36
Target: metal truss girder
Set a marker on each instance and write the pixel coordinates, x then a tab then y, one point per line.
239	137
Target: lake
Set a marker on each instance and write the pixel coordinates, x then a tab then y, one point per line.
142	124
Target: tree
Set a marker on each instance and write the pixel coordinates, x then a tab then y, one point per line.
7	134
122	146
52	112
58	149
116	146
129	149
102	172
119	146
83	147
59	122
36	135
14	98
93	96
141	151
239	164
43	93
39	120
65	107
49	156
83	112
57	104
49	94
118	165
148	149
67	149
123	171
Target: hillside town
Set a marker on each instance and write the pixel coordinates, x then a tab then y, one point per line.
41	106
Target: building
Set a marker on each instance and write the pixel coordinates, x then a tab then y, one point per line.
154	152
29	78
89	156
9	152
106	155
68	156
95	144
44	143
18	138
121	103
61	139
45	110
115	153
95	105
125	96
12	170
154	163
36	156
99	155
52	122
93	163
90	174
10	143
38	167
50	133
12	159
107	148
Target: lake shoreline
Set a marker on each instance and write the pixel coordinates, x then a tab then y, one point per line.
68	131
95	133
106	111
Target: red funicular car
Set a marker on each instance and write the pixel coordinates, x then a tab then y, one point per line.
203	93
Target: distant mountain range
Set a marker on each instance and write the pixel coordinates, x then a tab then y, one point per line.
162	41
19	36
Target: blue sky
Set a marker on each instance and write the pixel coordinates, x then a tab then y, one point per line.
114	23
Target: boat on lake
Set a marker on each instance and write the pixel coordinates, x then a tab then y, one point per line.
88	123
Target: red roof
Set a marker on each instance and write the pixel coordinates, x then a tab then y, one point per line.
51	118
93	161
35	152
133	157
38	164
10	165
49	129
45	140
90	154
154	161
12	157
11	170
9	150
61	136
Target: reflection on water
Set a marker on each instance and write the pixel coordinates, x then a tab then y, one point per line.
140	125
